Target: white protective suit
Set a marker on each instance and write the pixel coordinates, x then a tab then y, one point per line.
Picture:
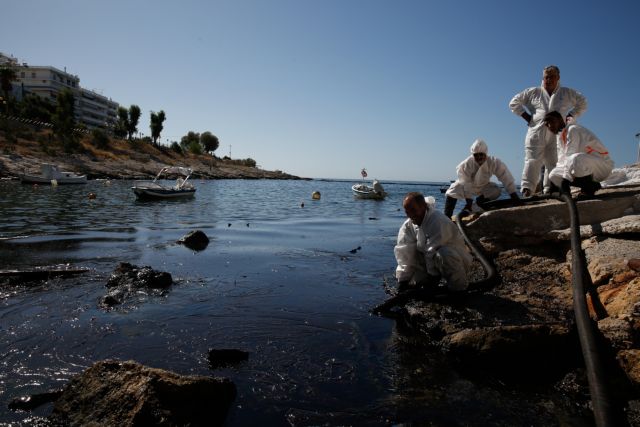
435	248
475	180
539	144
580	153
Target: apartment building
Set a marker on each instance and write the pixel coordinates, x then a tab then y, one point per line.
91	108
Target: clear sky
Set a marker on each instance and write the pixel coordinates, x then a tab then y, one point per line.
322	88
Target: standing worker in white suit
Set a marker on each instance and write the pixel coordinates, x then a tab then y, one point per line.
474	179
540	145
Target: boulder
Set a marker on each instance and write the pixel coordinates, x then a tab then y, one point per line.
195	240
112	393
128	279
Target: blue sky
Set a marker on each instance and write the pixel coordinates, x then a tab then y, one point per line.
323	88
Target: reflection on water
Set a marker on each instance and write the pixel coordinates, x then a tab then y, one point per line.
277	279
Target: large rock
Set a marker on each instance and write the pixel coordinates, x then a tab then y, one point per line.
116	393
539	221
196	240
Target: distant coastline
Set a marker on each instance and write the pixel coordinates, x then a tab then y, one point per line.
26	149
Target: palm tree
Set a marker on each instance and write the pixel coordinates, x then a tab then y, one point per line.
156	125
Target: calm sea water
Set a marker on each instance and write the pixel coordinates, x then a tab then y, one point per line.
290	284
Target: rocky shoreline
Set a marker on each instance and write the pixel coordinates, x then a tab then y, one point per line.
120	160
523	329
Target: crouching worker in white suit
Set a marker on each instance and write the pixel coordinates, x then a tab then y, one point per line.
583	160
474	179
430	247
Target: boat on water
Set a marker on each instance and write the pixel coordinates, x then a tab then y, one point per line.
50	174
154	190
365	191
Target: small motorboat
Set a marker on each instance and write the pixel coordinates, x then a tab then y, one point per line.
50	174
364	191
153	190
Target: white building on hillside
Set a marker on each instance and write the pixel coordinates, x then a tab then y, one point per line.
91	108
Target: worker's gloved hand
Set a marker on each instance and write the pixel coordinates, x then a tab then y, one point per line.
514	196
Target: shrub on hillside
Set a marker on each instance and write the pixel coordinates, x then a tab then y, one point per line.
99	139
176	147
194	147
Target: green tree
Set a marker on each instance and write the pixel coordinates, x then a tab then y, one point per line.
209	142
156	125
36	108
120	129
195	147
134	118
64	120
7	75
176	147
189	138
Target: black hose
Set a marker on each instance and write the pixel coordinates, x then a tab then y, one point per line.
491	276
600	397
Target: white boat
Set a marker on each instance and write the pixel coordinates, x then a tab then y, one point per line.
364	191
50	174
155	190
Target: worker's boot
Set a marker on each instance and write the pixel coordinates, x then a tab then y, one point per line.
449	206
565	187
481	200
588	186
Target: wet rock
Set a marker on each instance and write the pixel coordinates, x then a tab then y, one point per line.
128	279
27	403
195	240
128	393
220	358
515	350
618	332
630	362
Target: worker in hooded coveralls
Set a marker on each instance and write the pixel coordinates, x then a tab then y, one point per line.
430	247
474	179
583	160
540	145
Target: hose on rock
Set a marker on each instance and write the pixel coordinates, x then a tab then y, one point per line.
600	397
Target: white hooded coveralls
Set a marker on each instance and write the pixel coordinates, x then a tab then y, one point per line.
539	144
474	179
580	153
434	248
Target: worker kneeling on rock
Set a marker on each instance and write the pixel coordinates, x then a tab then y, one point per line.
583	160
474	179
430	247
